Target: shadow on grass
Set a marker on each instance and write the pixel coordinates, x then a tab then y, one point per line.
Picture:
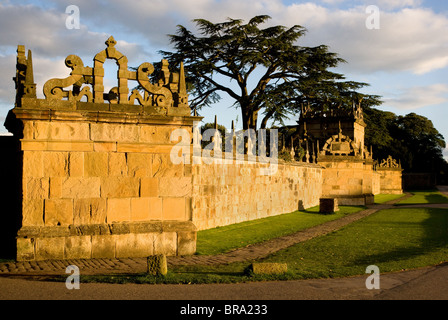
434	237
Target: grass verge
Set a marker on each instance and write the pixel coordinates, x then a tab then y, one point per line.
425	197
223	239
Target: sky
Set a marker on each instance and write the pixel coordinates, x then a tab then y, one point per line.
399	47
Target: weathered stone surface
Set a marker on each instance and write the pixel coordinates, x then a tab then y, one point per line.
32	164
78	188
79	247
134	245
103	246
173	209
117	164
49	248
139	164
58	212
89	211
55	164
186	243
149	187
44	130
120	187
32	212
76	164
140	209
175	187
96	164
25	249
36	188
118	210
157	265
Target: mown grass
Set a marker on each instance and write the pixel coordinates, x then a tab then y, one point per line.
224	239
393	240
382	198
425	197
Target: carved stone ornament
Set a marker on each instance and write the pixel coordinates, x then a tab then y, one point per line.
169	91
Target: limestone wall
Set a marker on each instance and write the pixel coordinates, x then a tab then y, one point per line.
390	180
352	180
233	192
94	189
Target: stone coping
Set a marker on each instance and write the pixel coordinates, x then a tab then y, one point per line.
105	229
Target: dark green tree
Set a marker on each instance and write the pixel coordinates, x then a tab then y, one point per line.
270	72
411	138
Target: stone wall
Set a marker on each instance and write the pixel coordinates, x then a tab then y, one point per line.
390	180
235	191
350	179
101	185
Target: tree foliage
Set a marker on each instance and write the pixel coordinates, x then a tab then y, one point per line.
270	72
411	138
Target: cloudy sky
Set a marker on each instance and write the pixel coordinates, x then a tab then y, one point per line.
404	57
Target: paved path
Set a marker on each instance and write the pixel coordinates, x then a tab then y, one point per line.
138	265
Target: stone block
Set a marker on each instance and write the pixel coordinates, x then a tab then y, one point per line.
149	187
76	164
269	268
25	249
55	164
186	242
155	208
103	246
118	210
139	164
55	187
162	166
175	187
33	164
50	248
120	187
89	211
117	164
157	265
104	146
140	209
78	247
96	164
61	130
58	212
328	205
173	209
165	243
36	188
134	245
78	188
32	212
114	132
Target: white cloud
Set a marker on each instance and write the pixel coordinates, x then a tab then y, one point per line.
419	96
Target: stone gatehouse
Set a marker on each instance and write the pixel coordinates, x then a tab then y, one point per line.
95	177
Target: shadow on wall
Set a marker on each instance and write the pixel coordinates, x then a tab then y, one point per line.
10	195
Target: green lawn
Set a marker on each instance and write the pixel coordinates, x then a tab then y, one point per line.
393	240
425	196
223	239
382	198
